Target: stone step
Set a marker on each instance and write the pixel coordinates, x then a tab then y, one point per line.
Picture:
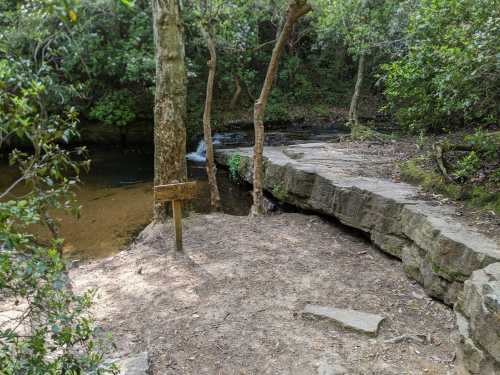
357	320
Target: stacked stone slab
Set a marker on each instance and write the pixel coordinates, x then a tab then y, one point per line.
478	320
436	249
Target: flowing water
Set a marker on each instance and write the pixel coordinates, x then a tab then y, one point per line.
116	195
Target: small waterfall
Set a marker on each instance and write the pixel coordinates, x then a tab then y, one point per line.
199	156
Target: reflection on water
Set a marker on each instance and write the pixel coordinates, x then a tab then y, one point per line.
116	201
116	195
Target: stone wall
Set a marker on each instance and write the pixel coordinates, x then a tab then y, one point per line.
478	320
436	249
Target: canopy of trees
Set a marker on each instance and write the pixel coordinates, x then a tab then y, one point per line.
429	63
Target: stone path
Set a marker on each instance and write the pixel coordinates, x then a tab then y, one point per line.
352	319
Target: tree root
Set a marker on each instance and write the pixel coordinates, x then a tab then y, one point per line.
440	149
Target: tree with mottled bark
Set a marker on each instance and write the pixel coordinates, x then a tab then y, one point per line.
296	9
170	97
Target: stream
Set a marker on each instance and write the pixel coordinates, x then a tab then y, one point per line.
116	195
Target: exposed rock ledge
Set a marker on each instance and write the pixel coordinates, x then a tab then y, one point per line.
436	249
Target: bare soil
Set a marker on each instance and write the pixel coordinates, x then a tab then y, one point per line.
231	303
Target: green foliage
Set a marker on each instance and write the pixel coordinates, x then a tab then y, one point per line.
102	57
279	192
481	163
485	195
321	110
450	74
234	167
115	109
102	62
440	57
365	133
485	198
295	82
487	143
276	108
468	165
417	171
51	329
362	25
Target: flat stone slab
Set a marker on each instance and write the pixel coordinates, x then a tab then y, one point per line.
357	320
137	364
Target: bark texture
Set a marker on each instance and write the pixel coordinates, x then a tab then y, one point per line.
170	97
296	9
207	128
353	110
237	92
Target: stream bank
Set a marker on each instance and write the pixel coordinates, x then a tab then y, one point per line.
116	199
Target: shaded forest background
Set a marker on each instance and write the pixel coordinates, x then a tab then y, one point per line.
430	64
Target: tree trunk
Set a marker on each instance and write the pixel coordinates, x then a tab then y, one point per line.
237	92
296	9
207	130
353	110
170	97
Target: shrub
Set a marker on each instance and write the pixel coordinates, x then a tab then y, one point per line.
449	76
234	167
116	108
51	330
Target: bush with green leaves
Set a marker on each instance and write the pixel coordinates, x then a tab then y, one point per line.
234	167
449	76
48	329
100	55
116	109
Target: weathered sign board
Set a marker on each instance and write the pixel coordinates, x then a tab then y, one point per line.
176	193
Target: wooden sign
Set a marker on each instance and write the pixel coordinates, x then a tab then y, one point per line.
176	193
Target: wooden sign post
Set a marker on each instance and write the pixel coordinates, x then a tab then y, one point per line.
176	193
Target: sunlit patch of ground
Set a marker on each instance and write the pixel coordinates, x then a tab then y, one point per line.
231	303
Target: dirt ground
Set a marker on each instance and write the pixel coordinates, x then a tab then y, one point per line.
231	303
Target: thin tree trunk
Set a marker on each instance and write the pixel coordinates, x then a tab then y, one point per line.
296	9
237	92
207	129
353	110
170	97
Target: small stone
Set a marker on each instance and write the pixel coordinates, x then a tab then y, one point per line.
418	295
137	364
360	321
326	369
